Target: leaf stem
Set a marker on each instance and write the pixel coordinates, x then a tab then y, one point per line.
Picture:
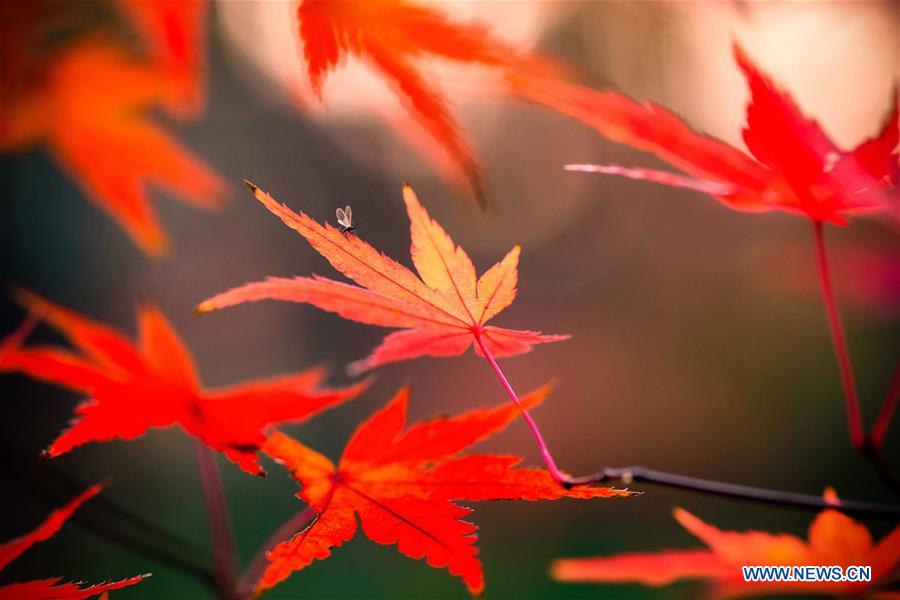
839	341
869	447
883	420
221	532
627	475
286	531
557	475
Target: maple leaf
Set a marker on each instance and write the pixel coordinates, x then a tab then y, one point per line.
440	312
47	589
834	539
391	35
174	31
154	383
90	107
401	484
793	165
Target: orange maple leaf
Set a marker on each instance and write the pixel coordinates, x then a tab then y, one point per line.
401	483
90	106
47	589
175	32
794	167
155	384
392	35
440	314
834	539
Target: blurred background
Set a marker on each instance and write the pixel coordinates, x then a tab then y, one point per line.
699	339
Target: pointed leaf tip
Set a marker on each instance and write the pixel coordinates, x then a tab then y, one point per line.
357	368
743	60
207	306
737	50
158	249
830	496
250	186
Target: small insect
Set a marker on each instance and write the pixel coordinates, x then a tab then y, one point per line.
345	219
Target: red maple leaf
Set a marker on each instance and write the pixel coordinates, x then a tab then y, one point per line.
154	383
175	32
47	589
90	105
401	484
834	539
792	166
391	36
440	314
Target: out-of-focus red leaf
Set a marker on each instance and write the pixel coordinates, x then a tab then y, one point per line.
440	308
651	569
401	483
90	105
826	183
175	32
878	156
392	35
794	167
47	589
664	177
154	383
834	540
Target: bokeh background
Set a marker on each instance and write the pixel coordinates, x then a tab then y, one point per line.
699	340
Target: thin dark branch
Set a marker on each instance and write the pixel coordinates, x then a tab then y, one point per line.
627	475
883	420
105	517
875	458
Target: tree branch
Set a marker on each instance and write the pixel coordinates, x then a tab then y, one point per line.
883	420
627	475
104	517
